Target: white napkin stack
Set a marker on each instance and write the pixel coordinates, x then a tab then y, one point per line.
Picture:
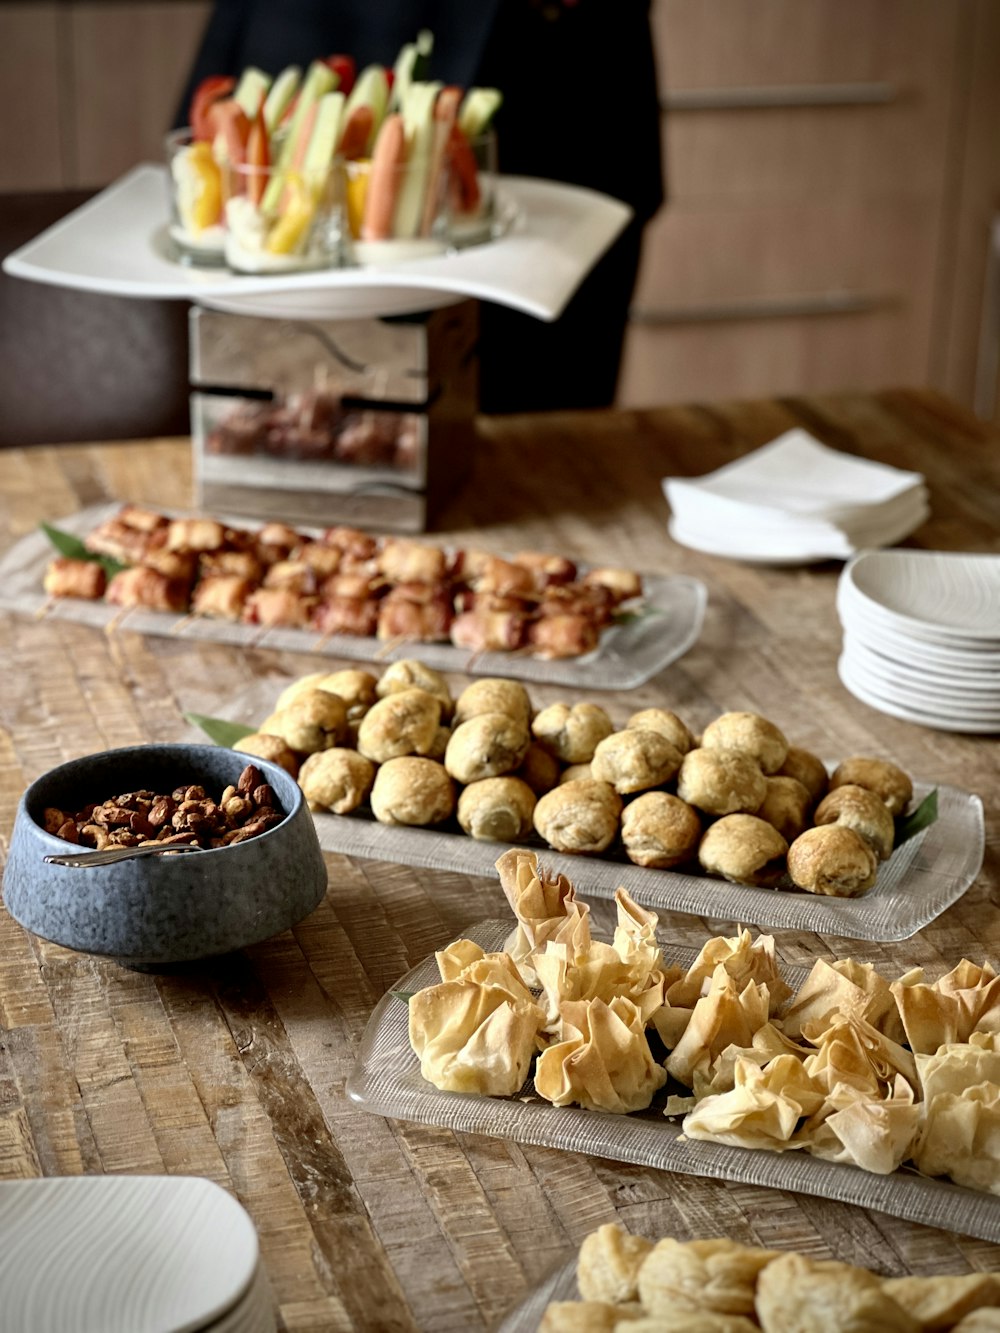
793	501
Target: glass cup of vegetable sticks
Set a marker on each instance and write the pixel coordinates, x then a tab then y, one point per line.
281	220
474	211
196	200
393	214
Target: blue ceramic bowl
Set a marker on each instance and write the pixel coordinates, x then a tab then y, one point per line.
162	910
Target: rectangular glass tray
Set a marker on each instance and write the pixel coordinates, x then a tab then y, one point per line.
386	1081
628	654
918	882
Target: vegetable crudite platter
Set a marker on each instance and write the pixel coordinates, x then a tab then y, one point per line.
837	1081
348	593
118	243
734	824
332	192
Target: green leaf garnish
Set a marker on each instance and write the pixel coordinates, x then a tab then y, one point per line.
926	813
66	543
220	731
405	995
636	614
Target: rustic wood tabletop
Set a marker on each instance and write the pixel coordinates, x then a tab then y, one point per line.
236	1072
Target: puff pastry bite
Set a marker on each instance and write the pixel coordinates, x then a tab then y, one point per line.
401	723
832	860
409	674
337	780
752	734
862	810
635	760
572	734
493	695
356	688
486	746
580	1317
574	772
497	809
886	780
721	782
745	850
411	790
666	723
539	769
799	1295
660	830
579	816
808	769
272	748
786	807
314	720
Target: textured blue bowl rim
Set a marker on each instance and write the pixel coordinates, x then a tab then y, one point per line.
180	747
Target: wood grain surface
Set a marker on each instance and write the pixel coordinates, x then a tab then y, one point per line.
236	1072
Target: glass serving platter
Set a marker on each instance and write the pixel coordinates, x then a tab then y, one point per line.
628	654
386	1081
919	881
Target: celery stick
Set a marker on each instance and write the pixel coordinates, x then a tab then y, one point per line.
319	79
284	88
478	108
418	122
251	90
325	135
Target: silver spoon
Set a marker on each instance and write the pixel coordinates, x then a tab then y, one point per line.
109	855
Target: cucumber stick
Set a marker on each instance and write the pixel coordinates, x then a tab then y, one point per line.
418	124
325	135
411	64
251	90
284	88
320	79
478	108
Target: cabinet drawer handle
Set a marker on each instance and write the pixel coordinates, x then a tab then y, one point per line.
768	307
791	95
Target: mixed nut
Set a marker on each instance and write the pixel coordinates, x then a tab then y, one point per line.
187	815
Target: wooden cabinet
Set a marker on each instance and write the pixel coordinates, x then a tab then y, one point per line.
823	157
91	89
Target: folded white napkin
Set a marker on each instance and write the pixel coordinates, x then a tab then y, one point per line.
796	499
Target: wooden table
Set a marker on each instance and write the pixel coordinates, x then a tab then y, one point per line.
237	1073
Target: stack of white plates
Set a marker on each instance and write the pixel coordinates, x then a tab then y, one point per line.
795	501
129	1254
922	636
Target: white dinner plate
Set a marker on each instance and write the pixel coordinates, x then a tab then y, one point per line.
944	596
924	718
122	1254
912	696
982	687
897	643
117	244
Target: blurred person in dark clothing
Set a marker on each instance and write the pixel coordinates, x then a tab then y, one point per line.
580	105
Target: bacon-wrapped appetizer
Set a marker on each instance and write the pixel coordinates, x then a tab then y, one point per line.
143	520
75	578
420	611
122	541
322	559
278	606
355	587
222	596
547	571
482	630
592	600
242	564
411	562
503	577
174	564
291	574
563	636
622	583
352	542
195	534
347	615
276	541
148	588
